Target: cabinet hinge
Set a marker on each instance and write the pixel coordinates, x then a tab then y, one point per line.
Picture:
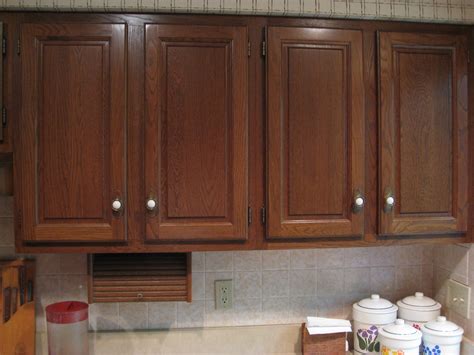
249	48
249	215
263	215
18	47
3	124
4	45
264	48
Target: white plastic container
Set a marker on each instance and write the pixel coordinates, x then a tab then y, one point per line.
441	337
68	324
418	309
369	315
400	339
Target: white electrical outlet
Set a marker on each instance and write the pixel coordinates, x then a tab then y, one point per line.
224	294
459	298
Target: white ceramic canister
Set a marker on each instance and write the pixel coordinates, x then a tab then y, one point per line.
418	309
399	339
369	315
441	337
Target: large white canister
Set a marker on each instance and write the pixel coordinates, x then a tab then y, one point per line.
399	339
418	309
441	337
369	315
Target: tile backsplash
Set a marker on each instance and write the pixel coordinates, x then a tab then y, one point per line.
413	10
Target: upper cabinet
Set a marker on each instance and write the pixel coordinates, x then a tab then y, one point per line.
423	140
315	133
196	135
70	147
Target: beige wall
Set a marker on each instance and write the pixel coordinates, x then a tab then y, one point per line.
413	10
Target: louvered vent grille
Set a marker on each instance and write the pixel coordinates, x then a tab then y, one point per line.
140	277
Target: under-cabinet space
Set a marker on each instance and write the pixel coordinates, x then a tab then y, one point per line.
423	140
315	138
140	277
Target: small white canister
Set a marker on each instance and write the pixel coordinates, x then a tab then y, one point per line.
418	309
441	337
399	339
369	315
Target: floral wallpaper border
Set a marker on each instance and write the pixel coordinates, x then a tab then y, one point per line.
411	10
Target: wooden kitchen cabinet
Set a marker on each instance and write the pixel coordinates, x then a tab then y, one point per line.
315	133
423	144
71	136
196	133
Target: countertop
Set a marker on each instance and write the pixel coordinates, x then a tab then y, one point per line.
261	340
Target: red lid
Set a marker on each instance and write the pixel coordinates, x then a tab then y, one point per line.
67	312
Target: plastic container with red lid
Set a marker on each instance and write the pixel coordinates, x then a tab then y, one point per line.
68	324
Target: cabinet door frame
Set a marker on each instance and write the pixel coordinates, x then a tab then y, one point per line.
30	226
234	226
391	222
280	225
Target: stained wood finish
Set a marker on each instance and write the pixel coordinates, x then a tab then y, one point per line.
71	148
196	132
424	133
140	278
315	132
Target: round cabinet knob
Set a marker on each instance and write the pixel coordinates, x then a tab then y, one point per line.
390	201
151	204
116	205
359	201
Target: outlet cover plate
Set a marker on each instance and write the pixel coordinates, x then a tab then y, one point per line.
224	294
459	298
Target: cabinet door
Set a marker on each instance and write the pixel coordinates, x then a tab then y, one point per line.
196	132
70	148
423	133
315	132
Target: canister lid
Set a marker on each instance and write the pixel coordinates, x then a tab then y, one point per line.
401	331
375	304
419	302
67	312
441	326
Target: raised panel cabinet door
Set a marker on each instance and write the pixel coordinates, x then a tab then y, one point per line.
423	133
315	137
70	154
196	133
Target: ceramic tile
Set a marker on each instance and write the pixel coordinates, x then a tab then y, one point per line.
248	311
330	258
217	317
382	279
199	286
73	287
302	259
357	257
133	315
6	206
247	260
331	307
219	261
48	264
357	280
276	259
303	282
382	256
191	315
275	284
162	315
301	307
7	236
408	278
197	261
247	284
73	264
330	282
275	310
104	316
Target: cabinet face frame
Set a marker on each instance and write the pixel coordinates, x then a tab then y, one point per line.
181	214
40	220
394	221
346	223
